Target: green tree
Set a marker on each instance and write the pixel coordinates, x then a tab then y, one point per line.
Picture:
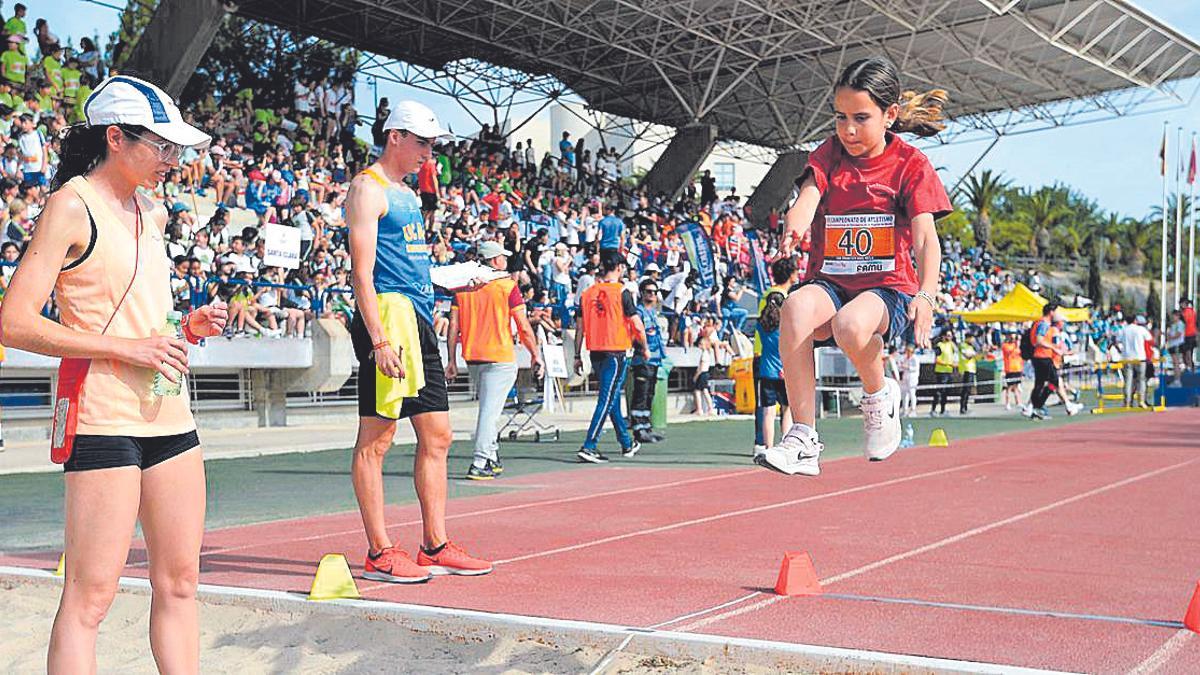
982	193
1043	211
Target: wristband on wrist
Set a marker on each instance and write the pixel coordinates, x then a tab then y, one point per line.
927	298
380	345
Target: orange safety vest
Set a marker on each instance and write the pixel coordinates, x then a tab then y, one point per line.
604	324
1040	352
485	322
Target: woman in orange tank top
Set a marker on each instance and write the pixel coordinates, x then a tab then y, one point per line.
134	454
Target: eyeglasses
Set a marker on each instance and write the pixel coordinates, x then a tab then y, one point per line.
167	151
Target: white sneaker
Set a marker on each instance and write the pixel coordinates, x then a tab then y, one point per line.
1027	410
798	452
1074	408
881	421
758	451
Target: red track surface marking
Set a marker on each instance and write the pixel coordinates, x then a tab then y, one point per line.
467	514
1097	520
1163	654
937	544
744	512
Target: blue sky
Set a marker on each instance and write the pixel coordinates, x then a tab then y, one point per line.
1113	162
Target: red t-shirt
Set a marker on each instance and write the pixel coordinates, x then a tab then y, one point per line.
1189	322
427	177
862	232
493	199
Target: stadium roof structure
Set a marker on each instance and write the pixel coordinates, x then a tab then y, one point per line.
761	71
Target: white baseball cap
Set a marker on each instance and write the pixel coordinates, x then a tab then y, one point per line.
490	249
128	100
417	119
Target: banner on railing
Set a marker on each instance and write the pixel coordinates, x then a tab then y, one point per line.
699	250
282	246
761	278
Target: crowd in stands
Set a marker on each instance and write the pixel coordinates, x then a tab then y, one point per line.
291	165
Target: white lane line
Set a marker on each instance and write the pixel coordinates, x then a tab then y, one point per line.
1163	654
861	659
489	511
747	511
941	543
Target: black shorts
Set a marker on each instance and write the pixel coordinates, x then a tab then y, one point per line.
429	201
430	398
771	392
894	301
1011	379
700	383
106	452
1189	344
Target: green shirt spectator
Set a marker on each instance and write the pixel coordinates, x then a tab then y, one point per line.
13	63
16	25
446	174
70	77
81	97
266	115
54	73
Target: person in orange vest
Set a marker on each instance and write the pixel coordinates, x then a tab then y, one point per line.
1189	334
610	323
482	321
1014	367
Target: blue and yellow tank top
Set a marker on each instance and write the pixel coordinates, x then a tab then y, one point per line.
402	259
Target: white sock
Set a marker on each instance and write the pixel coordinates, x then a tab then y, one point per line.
881	392
803	429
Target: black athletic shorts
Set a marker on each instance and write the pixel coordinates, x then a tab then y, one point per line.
429	201
430	398
107	452
1013	378
771	392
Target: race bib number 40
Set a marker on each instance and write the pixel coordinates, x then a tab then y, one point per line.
861	243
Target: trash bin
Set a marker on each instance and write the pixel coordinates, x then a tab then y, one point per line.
658	409
742	373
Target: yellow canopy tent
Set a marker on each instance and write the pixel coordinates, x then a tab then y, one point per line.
1021	304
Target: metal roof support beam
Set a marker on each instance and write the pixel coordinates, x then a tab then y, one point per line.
776	186
679	162
174	42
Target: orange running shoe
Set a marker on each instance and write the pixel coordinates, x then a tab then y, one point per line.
453	560
393	565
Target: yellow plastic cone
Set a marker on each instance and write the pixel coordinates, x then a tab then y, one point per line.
333	580
58	571
938	438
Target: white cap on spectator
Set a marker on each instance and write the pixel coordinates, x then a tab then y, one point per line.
653	267
416	119
128	100
490	249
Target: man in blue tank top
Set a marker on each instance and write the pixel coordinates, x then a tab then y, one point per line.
391	262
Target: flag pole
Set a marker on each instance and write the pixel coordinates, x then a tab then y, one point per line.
1162	288
1178	219
1191	276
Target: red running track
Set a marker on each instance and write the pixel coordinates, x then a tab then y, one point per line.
1071	549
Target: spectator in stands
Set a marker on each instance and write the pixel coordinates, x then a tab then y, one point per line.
944	365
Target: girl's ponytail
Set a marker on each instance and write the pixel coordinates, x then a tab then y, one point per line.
921	114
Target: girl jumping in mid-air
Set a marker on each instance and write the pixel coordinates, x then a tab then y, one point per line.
871	200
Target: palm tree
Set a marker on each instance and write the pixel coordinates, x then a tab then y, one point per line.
1136	238
1043	210
982	193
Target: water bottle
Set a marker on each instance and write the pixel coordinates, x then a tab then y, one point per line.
163	386
907	441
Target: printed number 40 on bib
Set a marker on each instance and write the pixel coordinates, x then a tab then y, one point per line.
860	243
